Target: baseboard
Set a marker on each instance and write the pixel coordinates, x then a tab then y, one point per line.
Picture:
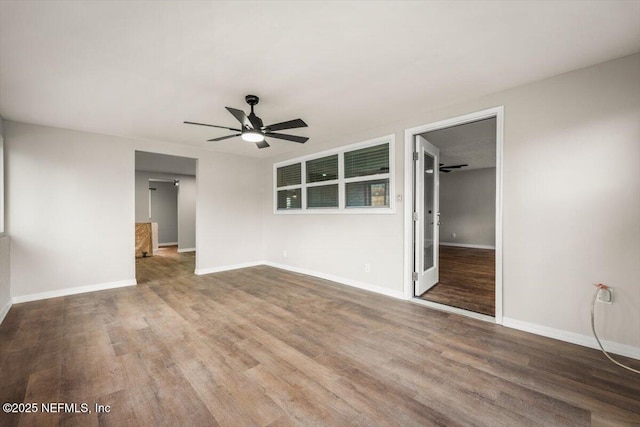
341	280
467	245
5	310
73	291
160	245
180	250
201	271
572	337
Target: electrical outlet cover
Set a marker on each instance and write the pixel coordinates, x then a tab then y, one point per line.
605	296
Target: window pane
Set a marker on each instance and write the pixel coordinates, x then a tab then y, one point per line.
367	161
325	196
324	169
290	175
290	199
373	194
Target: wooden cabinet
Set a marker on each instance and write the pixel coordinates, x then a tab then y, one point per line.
146	238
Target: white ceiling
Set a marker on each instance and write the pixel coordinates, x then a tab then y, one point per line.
473	144
139	68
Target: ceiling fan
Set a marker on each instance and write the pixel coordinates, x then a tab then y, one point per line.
447	169
253	130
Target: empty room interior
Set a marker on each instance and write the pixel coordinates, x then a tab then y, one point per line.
277	213
467	219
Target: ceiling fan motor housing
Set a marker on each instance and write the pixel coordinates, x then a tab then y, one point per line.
256	122
252	99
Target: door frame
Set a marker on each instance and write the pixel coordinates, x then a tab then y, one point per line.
197	197
409	137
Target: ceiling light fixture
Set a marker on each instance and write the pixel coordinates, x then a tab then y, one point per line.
252	136
253	129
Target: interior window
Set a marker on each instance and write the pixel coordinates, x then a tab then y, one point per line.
352	177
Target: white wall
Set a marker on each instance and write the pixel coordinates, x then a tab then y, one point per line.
571	204
230	207
187	200
2	174
186	204
78	229
572	199
468	207
5	294
70	209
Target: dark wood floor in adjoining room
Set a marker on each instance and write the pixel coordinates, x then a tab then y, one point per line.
261	346
466	279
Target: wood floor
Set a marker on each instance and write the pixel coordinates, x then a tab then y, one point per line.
466	279
264	347
166	263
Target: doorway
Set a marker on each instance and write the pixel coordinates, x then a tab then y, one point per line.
453	218
165	215
163	209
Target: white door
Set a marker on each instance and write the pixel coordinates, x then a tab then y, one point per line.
426	215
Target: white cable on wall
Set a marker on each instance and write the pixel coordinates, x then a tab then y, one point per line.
593	328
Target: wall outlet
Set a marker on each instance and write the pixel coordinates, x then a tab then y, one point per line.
284	253
454	235
367	268
605	296
399	198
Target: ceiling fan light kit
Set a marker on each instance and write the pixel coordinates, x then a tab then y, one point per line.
252	136
252	128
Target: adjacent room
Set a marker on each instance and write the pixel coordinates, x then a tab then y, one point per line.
269	213
466	235
165	190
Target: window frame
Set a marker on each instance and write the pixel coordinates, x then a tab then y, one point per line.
341	181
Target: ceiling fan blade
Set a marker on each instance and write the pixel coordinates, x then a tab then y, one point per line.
294	138
454	166
241	117
213	126
291	124
224	137
444	170
262	144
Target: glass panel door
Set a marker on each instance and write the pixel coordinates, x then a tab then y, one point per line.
428	214
426	236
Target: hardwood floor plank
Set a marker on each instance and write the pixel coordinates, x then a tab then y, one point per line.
466	279
264	347
44	386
